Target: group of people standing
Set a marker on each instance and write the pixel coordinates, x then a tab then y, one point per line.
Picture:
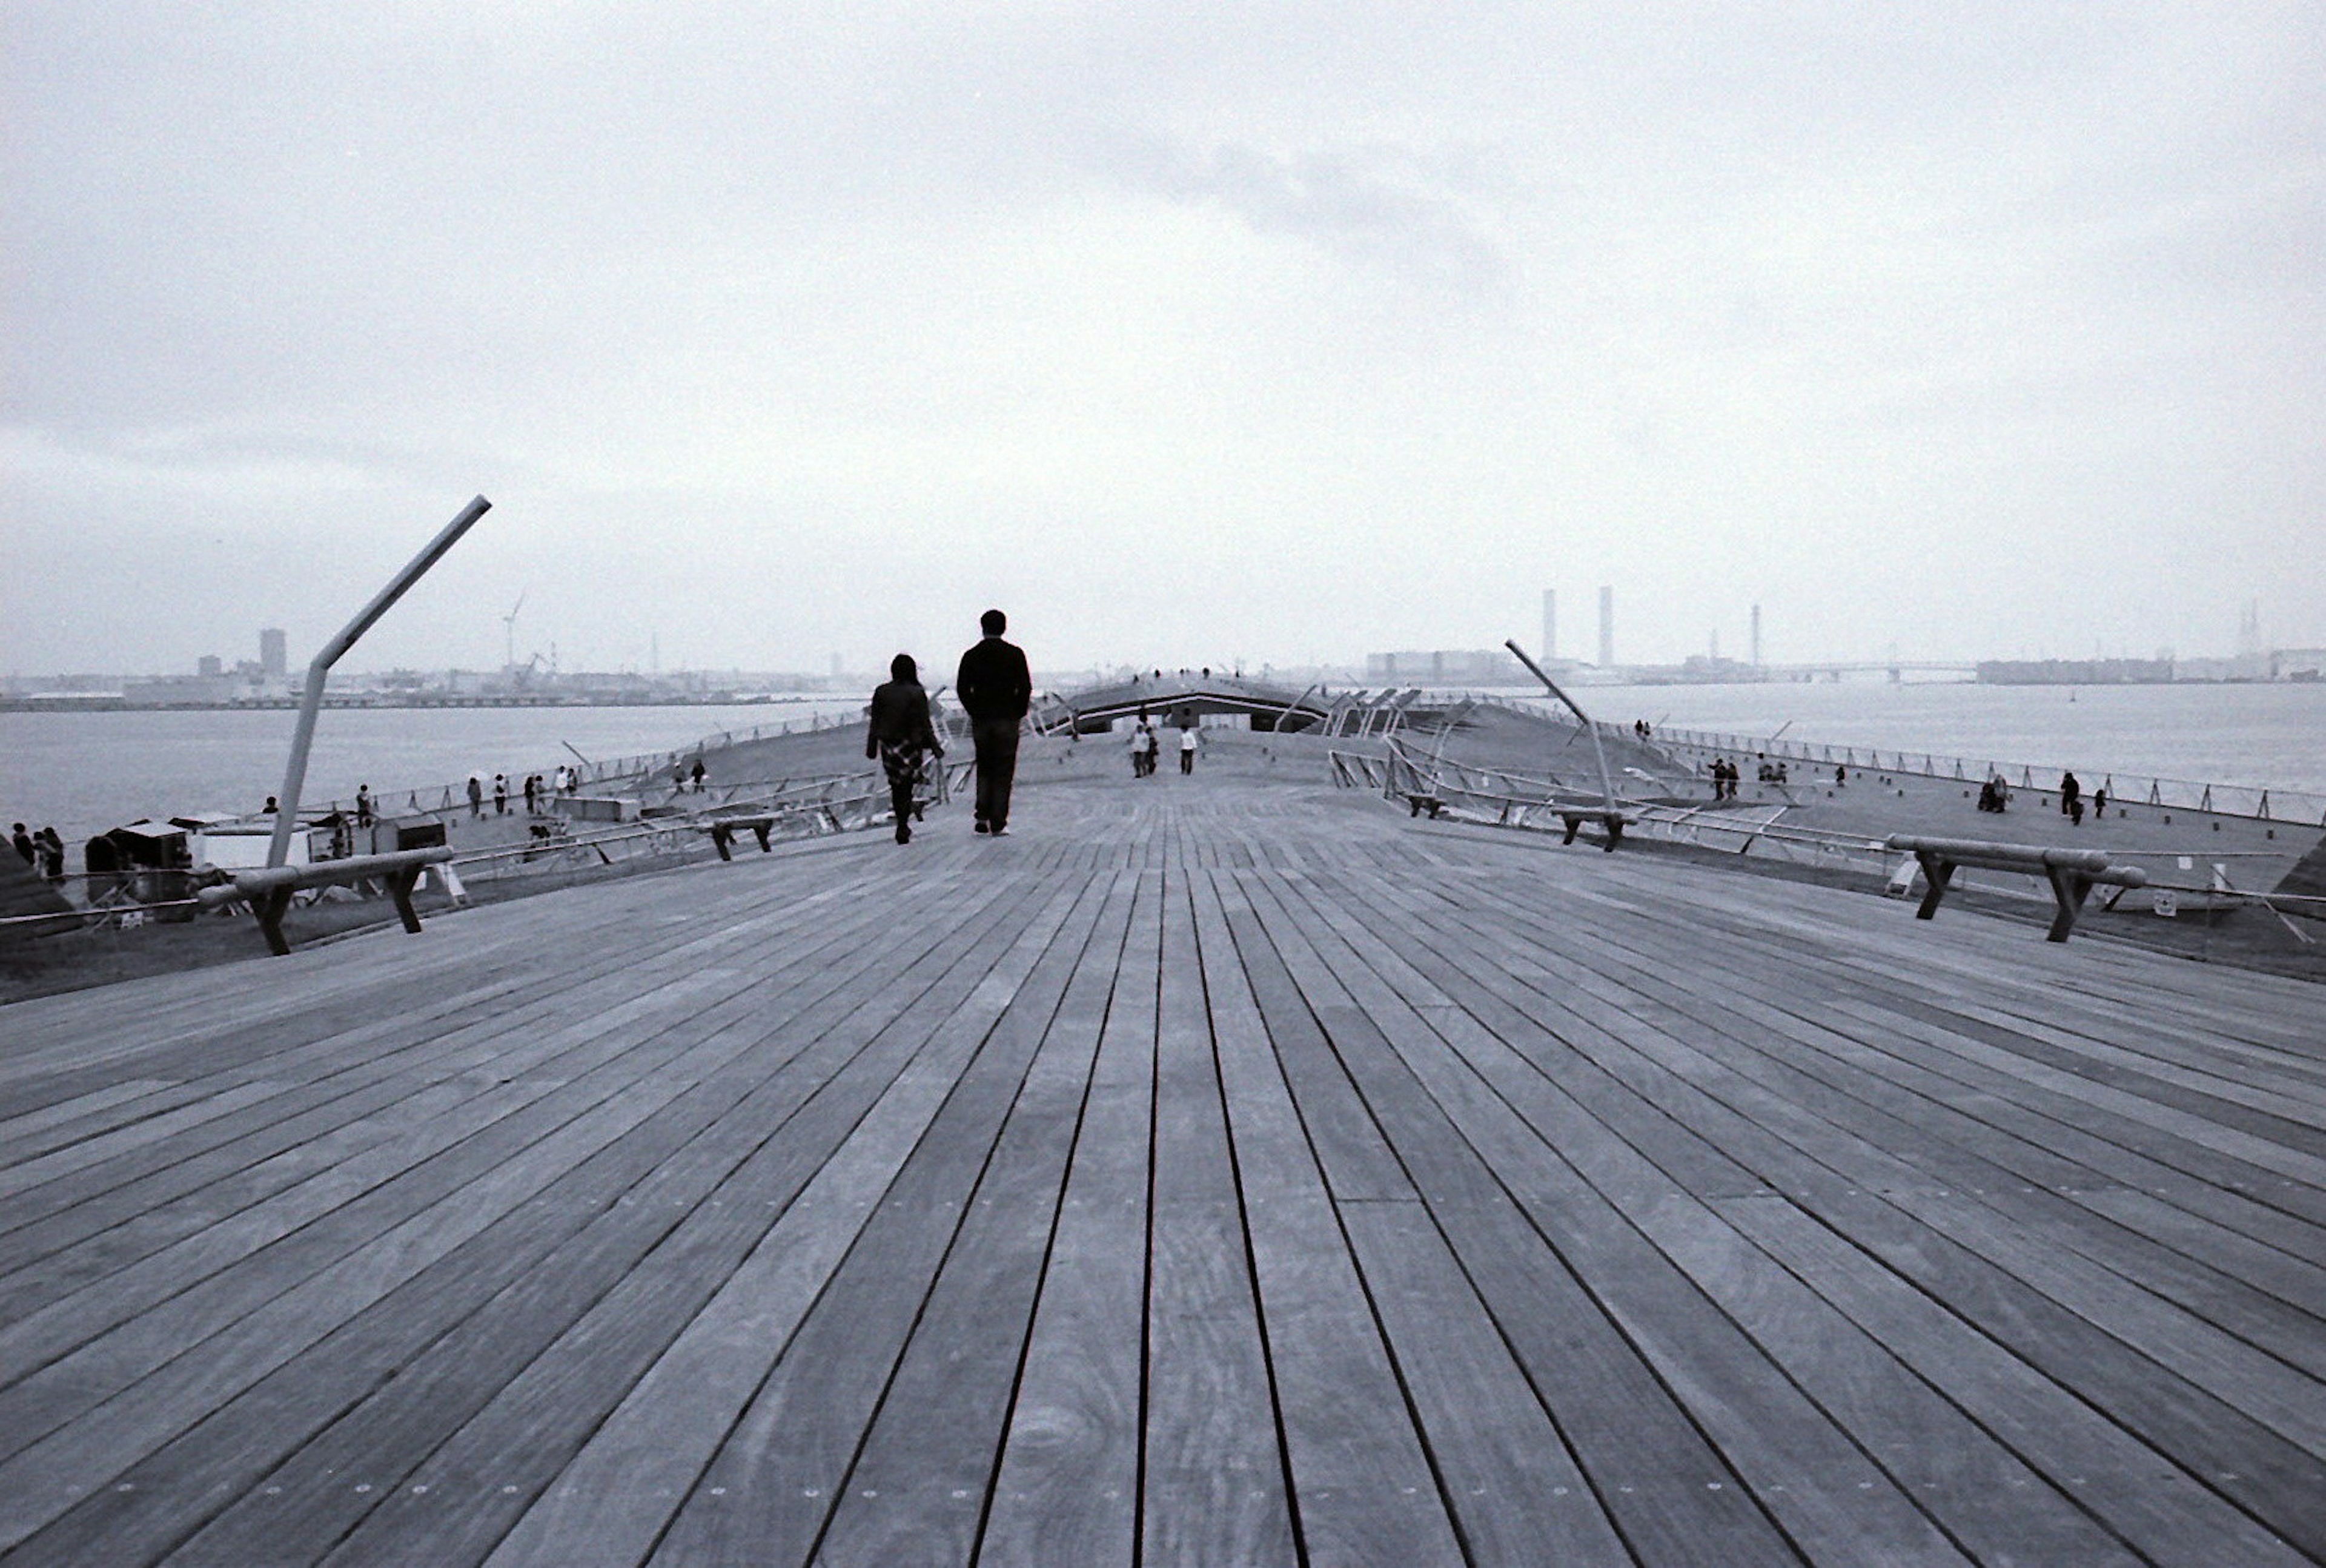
534	790
43	852
1147	748
995	689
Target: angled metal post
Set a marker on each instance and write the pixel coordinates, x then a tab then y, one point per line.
311	700
1606	779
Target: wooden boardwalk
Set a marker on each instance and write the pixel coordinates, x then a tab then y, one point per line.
1212	1171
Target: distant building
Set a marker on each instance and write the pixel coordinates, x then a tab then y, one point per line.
210	667
2075	672
1446	667
274	653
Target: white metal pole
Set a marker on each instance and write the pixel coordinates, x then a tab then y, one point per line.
310	701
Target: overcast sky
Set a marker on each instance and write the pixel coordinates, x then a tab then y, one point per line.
1184	333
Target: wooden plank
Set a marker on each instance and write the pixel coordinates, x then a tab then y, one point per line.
931	1078
806	1422
1213	1481
2165	1403
1068	1487
735	1163
918	1487
1674	1494
1364	1488
316	1133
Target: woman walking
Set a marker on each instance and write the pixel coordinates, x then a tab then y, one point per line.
901	736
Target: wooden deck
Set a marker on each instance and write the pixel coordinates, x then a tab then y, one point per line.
1212	1171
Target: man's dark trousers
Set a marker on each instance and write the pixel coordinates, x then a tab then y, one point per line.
996	740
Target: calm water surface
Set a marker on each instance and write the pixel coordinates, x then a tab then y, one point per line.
2272	736
86	772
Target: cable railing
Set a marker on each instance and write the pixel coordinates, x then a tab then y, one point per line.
2259	802
791	808
1502	798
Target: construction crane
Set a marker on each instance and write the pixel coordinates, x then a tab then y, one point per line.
509	629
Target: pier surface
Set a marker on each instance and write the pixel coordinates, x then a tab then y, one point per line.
1213	1171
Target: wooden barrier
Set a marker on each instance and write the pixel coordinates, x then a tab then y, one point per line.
268	889
2072	873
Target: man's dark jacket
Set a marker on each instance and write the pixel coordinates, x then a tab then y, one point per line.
994	683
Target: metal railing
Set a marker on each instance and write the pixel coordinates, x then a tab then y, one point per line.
2255	802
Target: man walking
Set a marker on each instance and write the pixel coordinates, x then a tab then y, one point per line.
995	690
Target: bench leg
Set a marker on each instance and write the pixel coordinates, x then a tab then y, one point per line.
721	838
1574	826
399	888
1615	825
1936	874
2070	889
761	828
269	907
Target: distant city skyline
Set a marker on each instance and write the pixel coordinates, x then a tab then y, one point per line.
276	662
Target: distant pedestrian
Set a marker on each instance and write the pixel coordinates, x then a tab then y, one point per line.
2099	803
476	797
697	776
363	805
270	808
1840	775
1153	737
532	791
995	690
22	837
1188	744
2071	798
1138	749
902	736
51	849
500	795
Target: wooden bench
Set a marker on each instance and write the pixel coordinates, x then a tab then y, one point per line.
723	832
2072	873
1611	821
267	889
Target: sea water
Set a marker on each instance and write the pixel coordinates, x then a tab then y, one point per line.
87	772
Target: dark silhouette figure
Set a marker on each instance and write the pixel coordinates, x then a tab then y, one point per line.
995	690
901	735
2072	799
476	797
696	775
500	795
23	838
2099	804
51	849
